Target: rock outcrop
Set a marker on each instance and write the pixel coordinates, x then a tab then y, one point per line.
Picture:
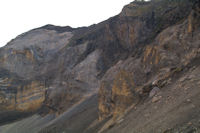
132	61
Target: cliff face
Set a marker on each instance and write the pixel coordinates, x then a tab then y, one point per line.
26	97
59	71
149	62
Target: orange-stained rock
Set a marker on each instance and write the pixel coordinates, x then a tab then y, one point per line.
25	97
151	55
194	18
122	94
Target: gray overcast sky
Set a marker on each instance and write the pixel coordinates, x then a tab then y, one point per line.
19	16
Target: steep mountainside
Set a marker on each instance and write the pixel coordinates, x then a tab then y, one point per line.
137	72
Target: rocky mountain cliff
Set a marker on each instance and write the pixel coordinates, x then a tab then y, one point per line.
135	72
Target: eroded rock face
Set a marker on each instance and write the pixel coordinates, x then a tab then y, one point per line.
171	50
55	69
194	18
105	100
25	54
20	95
123	93
23	61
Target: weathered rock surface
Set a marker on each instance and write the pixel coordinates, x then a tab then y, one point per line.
59	71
